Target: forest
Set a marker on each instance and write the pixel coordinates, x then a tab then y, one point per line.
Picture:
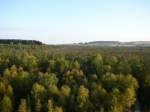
17	41
69	78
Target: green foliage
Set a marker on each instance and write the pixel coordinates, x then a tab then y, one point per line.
6	104
23	106
38	106
48	79
52	108
73	79
38	91
82	99
65	90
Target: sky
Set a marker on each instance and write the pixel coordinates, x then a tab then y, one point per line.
73	21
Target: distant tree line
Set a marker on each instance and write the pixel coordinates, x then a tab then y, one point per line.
17	41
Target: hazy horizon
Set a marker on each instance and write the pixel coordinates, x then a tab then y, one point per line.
68	21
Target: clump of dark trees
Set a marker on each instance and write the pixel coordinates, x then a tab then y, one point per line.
41	79
17	41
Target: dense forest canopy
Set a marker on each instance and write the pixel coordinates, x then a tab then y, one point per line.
45	78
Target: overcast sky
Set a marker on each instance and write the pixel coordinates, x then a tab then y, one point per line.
72	21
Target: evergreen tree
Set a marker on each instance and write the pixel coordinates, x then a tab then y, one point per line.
38	106
23	106
6	104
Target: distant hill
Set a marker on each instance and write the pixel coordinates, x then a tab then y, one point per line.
103	43
116	43
18	41
137	43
